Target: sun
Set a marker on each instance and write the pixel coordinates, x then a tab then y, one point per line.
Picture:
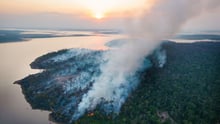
99	15
99	9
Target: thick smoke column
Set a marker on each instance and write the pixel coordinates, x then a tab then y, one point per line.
161	21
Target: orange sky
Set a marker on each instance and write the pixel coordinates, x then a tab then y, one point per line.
87	7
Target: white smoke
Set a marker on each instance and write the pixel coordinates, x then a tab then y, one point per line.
161	21
161	57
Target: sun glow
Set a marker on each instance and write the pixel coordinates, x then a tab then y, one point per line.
90	8
99	15
99	9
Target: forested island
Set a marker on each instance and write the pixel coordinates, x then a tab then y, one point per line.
185	91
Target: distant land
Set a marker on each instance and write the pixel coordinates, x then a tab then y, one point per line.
18	35
21	35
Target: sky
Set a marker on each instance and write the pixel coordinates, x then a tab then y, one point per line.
86	14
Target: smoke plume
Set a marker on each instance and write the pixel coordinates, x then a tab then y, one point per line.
118	74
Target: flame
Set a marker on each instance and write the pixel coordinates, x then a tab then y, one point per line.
91	114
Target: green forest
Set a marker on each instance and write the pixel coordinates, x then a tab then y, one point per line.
185	91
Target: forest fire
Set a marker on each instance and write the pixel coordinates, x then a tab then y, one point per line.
91	114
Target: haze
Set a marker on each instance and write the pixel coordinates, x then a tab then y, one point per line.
86	14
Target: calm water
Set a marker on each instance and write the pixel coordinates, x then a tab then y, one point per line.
14	65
